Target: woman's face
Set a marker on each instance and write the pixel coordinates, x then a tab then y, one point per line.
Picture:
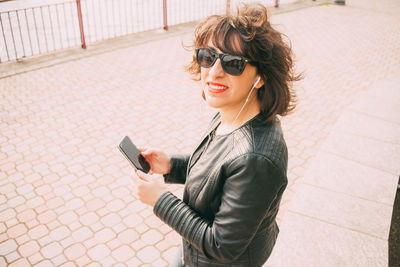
228	92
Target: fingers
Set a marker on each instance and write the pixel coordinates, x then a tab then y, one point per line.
139	177
145	151
143	176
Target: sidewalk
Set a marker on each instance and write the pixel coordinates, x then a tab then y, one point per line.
342	209
65	194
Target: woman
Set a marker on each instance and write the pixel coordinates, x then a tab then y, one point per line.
235	178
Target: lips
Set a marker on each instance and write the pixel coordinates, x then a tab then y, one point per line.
216	87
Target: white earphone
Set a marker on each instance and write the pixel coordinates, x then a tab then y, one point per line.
247	99
258	80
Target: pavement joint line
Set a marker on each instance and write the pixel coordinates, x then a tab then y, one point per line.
373	116
334	224
361	163
367	137
76	53
344	193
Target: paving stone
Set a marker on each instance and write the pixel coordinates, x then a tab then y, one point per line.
115	205
35	202
120	265
22	239
32	223
38	231
96	226
29	248
67	217
16	230
362	215
98	252
55	202
45	263
118	227
35	258
60	259
170	253
111	219
132	220
370	152
51	250
74	251
82	261
95	204
361	124
19	263
128	236
104	235
148	254
7	214
47	217
25	189
326	247
109	261
26	215
151	237
89	218
82	234
68	264
346	176
383	110
114	243
94	264
74	204
60	233
13	256
123	253
8	246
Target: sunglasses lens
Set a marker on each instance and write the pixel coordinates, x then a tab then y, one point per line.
233	65
205	58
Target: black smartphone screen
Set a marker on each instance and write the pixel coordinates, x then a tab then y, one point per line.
133	155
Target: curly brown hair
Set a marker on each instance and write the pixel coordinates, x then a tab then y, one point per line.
249	34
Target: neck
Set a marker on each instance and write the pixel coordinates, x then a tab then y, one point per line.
230	119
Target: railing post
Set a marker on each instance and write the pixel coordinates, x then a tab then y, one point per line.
78	4
228	7
276	3
165	15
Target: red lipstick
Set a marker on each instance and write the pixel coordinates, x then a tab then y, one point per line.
216	88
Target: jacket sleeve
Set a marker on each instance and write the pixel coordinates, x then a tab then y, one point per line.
253	183
177	175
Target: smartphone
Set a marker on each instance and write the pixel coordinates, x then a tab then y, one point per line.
133	155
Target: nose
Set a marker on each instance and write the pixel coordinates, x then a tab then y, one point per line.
216	70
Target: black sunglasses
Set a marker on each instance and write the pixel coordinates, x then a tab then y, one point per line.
233	65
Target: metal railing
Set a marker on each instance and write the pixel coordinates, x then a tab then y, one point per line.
50	27
38	30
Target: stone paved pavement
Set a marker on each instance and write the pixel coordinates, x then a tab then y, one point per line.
341	212
65	194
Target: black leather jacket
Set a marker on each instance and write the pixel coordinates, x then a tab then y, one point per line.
233	187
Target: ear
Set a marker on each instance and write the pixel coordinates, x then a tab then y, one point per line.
259	83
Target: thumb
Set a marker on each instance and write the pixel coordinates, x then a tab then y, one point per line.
144	151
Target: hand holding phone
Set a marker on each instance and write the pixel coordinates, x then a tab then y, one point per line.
132	154
160	162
